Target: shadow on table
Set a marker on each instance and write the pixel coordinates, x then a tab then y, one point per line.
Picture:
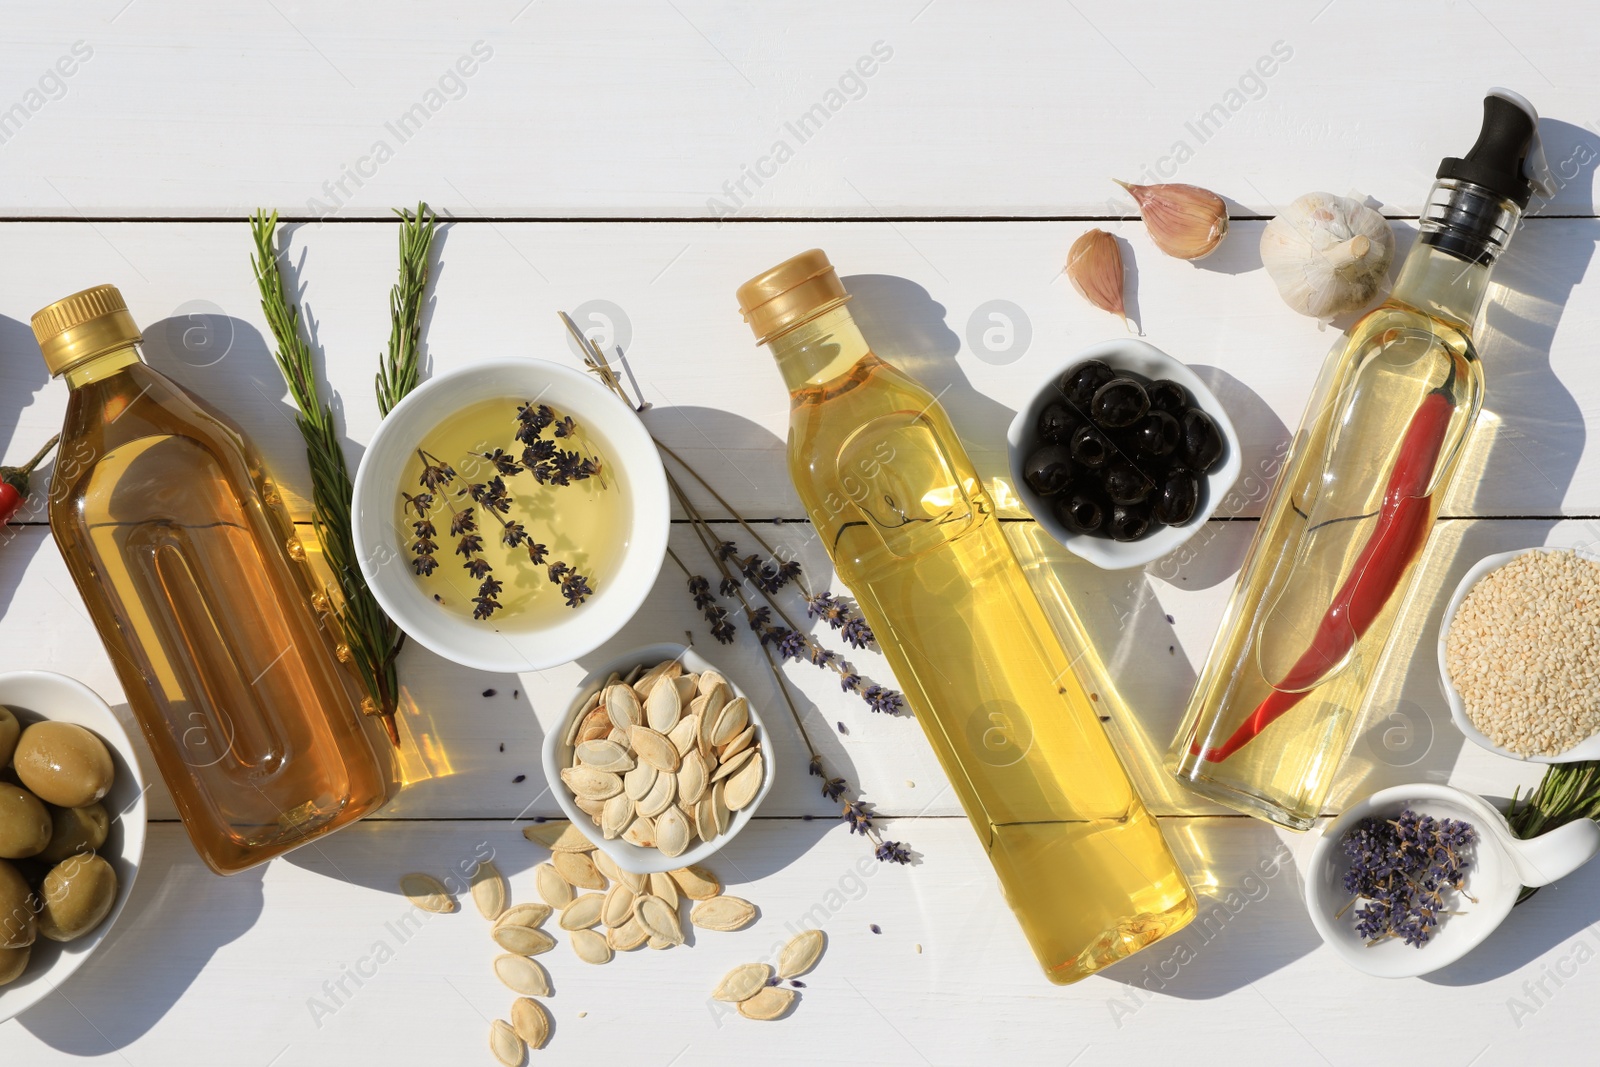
1251	919
178	915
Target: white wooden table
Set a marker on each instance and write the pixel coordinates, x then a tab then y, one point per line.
632	162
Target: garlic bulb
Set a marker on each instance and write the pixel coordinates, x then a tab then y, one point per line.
1184	221
1328	254
1094	267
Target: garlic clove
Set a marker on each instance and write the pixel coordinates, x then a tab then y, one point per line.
1327	254
1184	221
1094	267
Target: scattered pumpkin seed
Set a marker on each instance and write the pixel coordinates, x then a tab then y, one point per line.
742	983
617	907
627	937
524	915
659	918
583	912
489	890
505	1044
522	975
553	889
696	882
801	953
768	1003
723	913
662	885
529	1020
577	868
558	837
523	940
590	947
427	892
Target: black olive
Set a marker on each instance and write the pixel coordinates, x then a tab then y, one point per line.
1157	434
1048	469
1202	441
1090	447
1167	395
1118	403
1128	522
1125	483
1081	381
1178	497
1080	509
1058	422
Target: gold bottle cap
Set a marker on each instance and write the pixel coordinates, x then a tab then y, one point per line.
82	326
793	292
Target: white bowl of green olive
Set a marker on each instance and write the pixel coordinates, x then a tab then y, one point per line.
72	824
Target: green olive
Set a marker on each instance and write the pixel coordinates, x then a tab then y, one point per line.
13	961
17	925
24	823
63	764
76	830
77	895
10	730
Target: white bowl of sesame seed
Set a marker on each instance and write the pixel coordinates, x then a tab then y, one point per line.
1519	654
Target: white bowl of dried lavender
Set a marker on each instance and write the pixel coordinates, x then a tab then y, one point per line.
511	515
1416	876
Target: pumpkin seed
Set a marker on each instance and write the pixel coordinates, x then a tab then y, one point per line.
719	807
692	777
723	913
591	784
583	912
558	837
607	866
672	832
505	1044
591	808
659	918
523	940
683	734
709	680
708	719
662	885
618	736
696	882
590	947
639	883
705	817
524	915
615	816
529	1020
733	718
633	675
769	1003
522	975
801	953
576	725
553	889
660	797
427	893
622	707
604	756
596	725
641	833
744	785
627	937
654	748
733	764
685	684
637	782
742	983
578	869
658	943
617	907
738	744
489	890
663	708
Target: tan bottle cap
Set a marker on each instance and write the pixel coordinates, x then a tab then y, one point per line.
82	326
794	291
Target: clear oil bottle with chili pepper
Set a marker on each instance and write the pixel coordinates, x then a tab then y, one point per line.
1273	713
193	574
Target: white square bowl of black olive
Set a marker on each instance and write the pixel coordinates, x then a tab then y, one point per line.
1122	454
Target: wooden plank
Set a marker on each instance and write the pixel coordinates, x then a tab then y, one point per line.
923	293
646	109
268	950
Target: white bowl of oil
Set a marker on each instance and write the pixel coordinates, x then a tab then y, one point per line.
507	602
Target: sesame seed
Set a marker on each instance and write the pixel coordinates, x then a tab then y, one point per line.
1524	654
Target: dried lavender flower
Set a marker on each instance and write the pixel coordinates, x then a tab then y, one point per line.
1400	872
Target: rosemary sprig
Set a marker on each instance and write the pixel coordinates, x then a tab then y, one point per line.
373	642
401	366
1566	793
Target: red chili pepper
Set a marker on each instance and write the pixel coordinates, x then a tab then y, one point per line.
14	482
1404	521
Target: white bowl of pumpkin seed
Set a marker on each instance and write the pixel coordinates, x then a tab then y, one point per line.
660	760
